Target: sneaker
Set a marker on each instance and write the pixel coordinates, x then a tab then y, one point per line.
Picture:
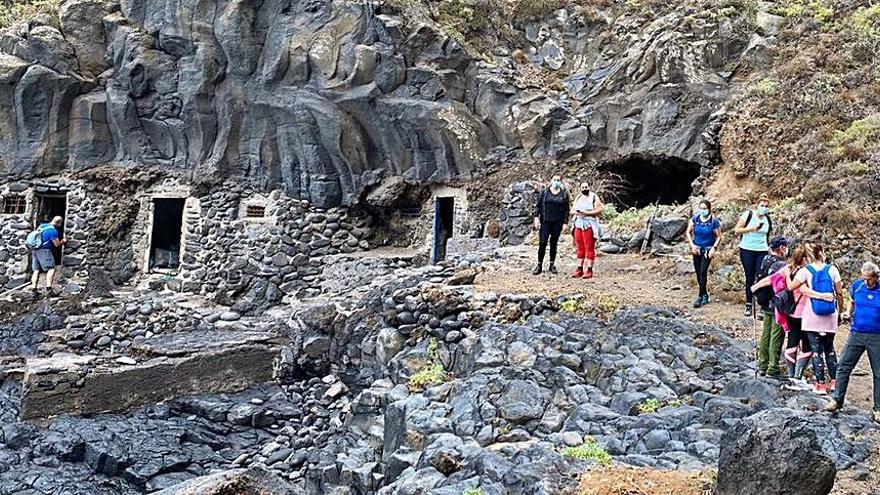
832	407
698	302
588	273
578	273
553	269
798	385
821	389
706	299
748	310
538	270
832	385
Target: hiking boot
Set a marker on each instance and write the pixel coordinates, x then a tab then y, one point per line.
578	273
588	273
553	269
698	302
820	389
748	310
538	270
832	407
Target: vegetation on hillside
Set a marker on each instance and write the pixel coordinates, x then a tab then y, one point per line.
810	123
12	11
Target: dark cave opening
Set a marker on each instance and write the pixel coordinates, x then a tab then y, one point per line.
637	181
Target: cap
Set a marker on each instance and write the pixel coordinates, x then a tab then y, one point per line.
778	241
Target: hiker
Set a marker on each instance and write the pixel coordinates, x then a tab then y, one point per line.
43	260
586	229
770	345
864	336
704	236
551	213
754	226
821	283
788	310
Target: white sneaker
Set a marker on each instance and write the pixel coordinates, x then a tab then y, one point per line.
798	384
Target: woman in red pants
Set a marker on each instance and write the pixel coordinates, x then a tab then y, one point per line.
586	230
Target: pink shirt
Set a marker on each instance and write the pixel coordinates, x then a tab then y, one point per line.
811	321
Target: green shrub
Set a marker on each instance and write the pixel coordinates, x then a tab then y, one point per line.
766	86
432	373
860	137
22	10
590	450
650	406
530	10
473	491
627	220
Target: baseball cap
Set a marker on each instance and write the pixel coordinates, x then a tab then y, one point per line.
778	241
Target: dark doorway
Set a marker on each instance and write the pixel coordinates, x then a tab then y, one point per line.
444	215
638	181
46	207
167	232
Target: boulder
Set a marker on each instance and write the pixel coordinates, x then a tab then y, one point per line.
670	229
774	452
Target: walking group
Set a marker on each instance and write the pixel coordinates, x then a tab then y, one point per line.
793	290
799	297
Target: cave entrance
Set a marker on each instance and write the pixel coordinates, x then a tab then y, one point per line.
636	182
167	232
46	207
444	220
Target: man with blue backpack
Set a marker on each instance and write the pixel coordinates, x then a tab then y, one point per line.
41	242
864	308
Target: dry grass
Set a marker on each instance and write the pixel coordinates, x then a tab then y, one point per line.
619	480
12	11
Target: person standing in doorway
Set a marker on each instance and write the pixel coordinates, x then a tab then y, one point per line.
704	236
820	282
864	336
42	258
551	213
754	225
586	230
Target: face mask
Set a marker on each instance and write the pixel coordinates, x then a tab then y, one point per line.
763	210
556	183
704	212
586	192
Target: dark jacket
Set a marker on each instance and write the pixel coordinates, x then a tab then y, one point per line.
552	207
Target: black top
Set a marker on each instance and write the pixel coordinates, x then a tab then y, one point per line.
552	207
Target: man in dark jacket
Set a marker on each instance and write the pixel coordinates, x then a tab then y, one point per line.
551	215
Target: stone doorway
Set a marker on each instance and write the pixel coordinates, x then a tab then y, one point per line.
46	207
444	223
166	234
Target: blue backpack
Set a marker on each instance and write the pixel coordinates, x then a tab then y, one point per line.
822	283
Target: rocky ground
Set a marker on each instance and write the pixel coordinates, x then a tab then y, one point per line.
416	380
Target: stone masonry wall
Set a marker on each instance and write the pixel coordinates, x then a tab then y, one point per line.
225	255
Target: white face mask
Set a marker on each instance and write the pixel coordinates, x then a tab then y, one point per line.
555	183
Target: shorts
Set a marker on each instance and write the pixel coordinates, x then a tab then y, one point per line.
43	260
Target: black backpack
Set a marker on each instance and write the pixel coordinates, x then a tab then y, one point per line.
784	302
764	295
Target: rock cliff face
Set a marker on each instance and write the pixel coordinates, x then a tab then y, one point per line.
324	99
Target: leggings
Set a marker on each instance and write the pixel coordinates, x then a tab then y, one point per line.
795	361
585	241
751	261
701	266
550	231
823	353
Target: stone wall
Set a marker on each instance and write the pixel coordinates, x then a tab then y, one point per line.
224	254
15	257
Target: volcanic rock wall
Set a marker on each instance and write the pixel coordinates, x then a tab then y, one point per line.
323	99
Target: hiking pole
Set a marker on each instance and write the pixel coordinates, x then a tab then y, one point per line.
755	339
10	291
